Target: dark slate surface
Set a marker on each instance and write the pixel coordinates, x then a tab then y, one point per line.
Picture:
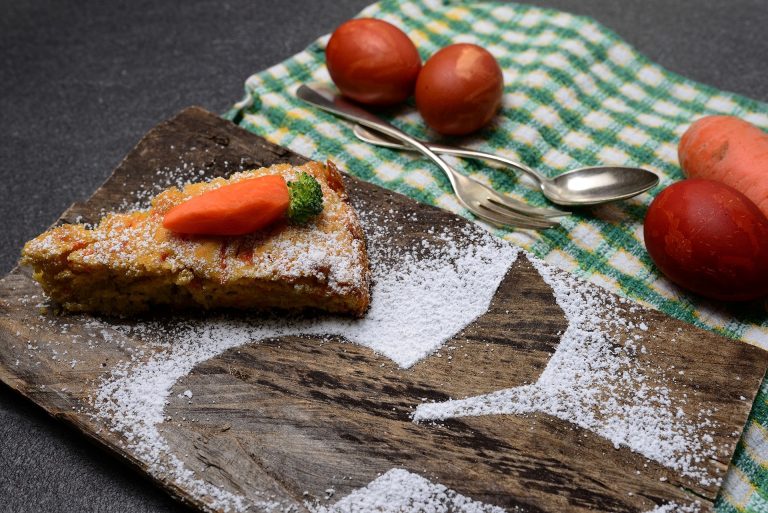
80	82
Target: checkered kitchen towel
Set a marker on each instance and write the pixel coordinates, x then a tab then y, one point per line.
575	95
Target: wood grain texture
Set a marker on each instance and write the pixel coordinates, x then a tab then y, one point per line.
292	417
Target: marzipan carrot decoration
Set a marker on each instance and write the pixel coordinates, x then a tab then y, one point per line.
247	206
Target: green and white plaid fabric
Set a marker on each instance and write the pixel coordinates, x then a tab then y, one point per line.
575	94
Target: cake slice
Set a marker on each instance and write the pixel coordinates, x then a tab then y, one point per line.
129	263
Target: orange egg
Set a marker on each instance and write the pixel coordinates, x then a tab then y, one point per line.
459	89
372	61
710	239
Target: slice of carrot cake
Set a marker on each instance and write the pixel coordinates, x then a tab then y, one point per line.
130	262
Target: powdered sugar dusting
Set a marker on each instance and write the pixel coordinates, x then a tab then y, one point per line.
423	293
594	381
674	507
399	490
421	297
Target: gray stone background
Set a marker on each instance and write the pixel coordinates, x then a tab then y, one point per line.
81	81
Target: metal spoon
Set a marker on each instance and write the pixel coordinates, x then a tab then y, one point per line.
478	198
582	186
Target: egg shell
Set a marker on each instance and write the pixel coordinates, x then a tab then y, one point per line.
459	89
372	61
709	238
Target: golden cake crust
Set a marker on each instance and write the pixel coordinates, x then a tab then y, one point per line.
130	263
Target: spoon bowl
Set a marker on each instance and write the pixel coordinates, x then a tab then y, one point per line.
584	186
597	185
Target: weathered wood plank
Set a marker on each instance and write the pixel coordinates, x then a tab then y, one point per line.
288	419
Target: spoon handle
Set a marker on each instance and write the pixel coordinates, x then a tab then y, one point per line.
470	193
381	139
344	109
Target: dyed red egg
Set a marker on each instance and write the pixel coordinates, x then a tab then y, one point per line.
372	61
459	89
709	238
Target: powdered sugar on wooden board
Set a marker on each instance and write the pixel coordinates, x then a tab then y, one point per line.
398	491
421	297
594	381
674	507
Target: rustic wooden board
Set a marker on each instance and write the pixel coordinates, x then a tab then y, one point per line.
289	419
